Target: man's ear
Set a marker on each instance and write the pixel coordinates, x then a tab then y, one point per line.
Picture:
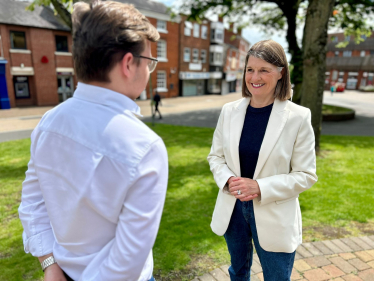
127	64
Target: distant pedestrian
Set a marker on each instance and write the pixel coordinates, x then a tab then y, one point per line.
332	89
157	101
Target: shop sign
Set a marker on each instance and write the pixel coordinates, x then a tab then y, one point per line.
193	75
230	77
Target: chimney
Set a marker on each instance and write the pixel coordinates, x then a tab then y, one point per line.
240	30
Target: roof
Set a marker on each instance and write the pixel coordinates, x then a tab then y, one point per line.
351	63
13	12
147	5
368	44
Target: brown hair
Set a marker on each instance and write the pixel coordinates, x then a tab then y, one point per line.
271	52
103	32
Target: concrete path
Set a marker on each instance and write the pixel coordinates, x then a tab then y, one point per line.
362	125
347	259
203	111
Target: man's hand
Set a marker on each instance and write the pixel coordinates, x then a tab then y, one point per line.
249	188
54	273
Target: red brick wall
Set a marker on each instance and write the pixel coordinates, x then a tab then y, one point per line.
193	42
172	54
41	42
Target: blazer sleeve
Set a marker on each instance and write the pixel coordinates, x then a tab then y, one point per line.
303	168
216	158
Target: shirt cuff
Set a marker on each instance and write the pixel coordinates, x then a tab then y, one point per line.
40	244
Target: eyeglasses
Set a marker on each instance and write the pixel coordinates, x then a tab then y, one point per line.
151	65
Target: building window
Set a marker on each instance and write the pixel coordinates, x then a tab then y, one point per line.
187	54
334	75
334	39
363	53
196	30
161	49
21	87
203	56
204	32
18	40
219	34
347	38
216	58
347	53
62	43
187	28
161	25
337	53
195	55
161	80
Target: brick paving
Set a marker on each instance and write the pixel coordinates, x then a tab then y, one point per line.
347	259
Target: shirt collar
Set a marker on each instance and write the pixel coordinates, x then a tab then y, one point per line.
106	97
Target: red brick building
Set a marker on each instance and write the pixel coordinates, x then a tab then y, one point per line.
165	78
194	72
352	65
236	48
37	48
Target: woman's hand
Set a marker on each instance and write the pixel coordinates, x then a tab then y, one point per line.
249	188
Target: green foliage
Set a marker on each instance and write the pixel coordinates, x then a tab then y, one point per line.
68	4
185	242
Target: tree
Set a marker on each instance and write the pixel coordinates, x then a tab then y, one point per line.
63	8
308	60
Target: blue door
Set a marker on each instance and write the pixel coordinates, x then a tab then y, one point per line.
4	99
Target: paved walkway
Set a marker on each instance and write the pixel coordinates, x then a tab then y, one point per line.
347	259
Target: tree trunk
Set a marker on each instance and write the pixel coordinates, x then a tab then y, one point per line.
314	51
62	12
290	12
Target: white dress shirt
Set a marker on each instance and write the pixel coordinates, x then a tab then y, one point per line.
95	188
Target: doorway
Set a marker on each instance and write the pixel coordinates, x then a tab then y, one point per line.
65	87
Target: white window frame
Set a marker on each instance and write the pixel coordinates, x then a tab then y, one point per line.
204	32
162	26
347	53
203	56
196	30
162	54
189	55
187	30
363	54
195	55
162	81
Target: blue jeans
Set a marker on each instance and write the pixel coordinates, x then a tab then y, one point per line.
239	235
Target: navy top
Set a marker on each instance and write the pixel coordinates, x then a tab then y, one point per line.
255	123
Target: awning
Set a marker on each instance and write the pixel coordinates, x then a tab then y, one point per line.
67	70
22	71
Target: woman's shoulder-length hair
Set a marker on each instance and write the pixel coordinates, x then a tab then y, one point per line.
273	53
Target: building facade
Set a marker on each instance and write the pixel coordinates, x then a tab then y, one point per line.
37	48
236	48
194	41
352	65
164	79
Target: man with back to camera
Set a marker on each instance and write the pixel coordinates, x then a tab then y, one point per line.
96	181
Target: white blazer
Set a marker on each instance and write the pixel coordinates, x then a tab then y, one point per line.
286	167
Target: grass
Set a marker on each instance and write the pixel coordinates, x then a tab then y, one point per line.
339	205
331	109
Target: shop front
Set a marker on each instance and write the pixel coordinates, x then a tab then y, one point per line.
65	83
193	83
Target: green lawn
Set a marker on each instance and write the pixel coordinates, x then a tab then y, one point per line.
340	204
331	109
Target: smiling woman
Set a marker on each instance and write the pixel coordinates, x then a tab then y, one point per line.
262	158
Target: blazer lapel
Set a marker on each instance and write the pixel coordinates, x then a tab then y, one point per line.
236	127
277	120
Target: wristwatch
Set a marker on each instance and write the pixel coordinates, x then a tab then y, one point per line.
47	262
